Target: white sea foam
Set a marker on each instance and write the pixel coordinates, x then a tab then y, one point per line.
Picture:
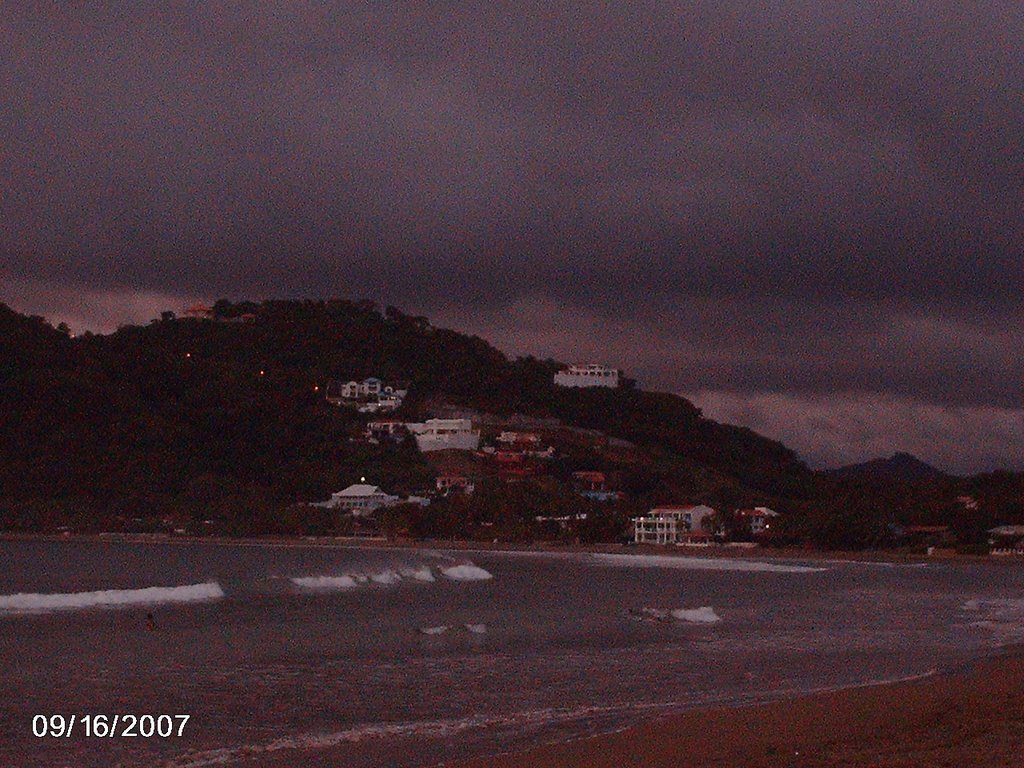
325	583
432	729
519	720
434	630
109	598
703	615
1002	617
700	563
1003	608
422	573
476	629
878	563
466	572
389	576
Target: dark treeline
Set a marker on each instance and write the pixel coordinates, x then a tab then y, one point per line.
184	421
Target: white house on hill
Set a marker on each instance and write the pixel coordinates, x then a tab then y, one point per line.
591	375
360	499
442	434
369	395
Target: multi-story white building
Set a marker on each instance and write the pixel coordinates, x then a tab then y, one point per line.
360	499
672	524
442	434
591	375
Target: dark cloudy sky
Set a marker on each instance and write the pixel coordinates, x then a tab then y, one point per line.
805	214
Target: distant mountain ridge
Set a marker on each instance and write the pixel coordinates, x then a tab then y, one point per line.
899	466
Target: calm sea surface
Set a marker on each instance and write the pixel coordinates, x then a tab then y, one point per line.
411	658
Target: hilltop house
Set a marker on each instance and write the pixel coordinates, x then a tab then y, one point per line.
199	312
359	499
593	486
523	443
673	525
442	434
760	519
447	484
591	375
385	430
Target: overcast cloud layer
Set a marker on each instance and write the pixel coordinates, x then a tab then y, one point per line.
794	206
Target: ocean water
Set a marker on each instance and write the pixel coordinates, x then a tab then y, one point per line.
385	657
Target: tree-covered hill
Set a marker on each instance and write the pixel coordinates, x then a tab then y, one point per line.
201	412
224	419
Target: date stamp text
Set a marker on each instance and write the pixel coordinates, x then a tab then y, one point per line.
119	726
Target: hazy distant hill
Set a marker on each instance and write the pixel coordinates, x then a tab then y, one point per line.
899	466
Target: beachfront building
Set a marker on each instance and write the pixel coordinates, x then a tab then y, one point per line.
591	375
1006	540
673	525
760	519
444	434
359	499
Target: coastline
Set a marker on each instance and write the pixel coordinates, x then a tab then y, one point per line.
969	714
460	545
966	717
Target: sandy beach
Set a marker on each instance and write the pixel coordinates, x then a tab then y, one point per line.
970	718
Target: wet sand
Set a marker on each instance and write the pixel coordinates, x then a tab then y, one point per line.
967	719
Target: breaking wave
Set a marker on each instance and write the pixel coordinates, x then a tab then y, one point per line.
466	572
418	574
109	598
703	615
385	577
325	582
390	576
1002	617
434	630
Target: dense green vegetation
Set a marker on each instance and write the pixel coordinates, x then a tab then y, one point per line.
220	425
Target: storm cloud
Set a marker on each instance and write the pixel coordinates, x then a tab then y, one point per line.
777	202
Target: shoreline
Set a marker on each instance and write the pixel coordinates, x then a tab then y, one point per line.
365	542
969	715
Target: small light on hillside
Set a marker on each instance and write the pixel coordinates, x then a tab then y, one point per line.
262	373
362	479
316	388
188	354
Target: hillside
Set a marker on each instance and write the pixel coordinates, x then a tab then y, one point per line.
221	425
208	414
